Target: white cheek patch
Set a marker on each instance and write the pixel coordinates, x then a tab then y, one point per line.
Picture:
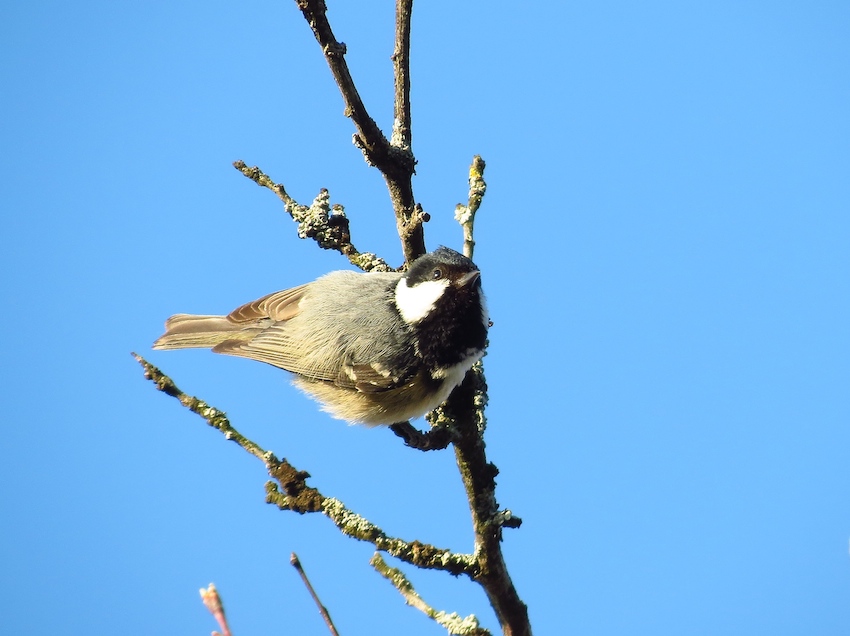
414	303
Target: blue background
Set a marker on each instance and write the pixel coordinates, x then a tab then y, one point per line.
664	244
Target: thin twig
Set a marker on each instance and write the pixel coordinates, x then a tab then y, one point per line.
296	563
465	214
320	221
291	492
212	601
454	623
315	12
395	162
402	136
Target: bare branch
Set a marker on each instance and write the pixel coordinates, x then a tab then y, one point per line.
395	161
291	492
296	563
454	623
215	418
320	221
465	214
402	136
375	145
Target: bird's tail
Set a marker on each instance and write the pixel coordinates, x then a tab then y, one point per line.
185	331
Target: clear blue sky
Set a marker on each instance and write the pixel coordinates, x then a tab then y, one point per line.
664	245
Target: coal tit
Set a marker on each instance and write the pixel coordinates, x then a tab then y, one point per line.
376	348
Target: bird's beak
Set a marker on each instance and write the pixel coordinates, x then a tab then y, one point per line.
468	279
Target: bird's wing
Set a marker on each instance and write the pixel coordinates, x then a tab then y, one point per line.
279	306
366	370
274	346
270	342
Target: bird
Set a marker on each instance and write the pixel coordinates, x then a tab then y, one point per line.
376	348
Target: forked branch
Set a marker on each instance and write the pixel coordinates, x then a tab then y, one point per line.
394	160
460	421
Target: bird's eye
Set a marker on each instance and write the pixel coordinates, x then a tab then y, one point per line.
437	274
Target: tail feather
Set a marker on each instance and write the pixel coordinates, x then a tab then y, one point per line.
184	331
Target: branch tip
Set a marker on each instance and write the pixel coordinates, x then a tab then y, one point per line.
296	563
454	623
465	214
212	601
